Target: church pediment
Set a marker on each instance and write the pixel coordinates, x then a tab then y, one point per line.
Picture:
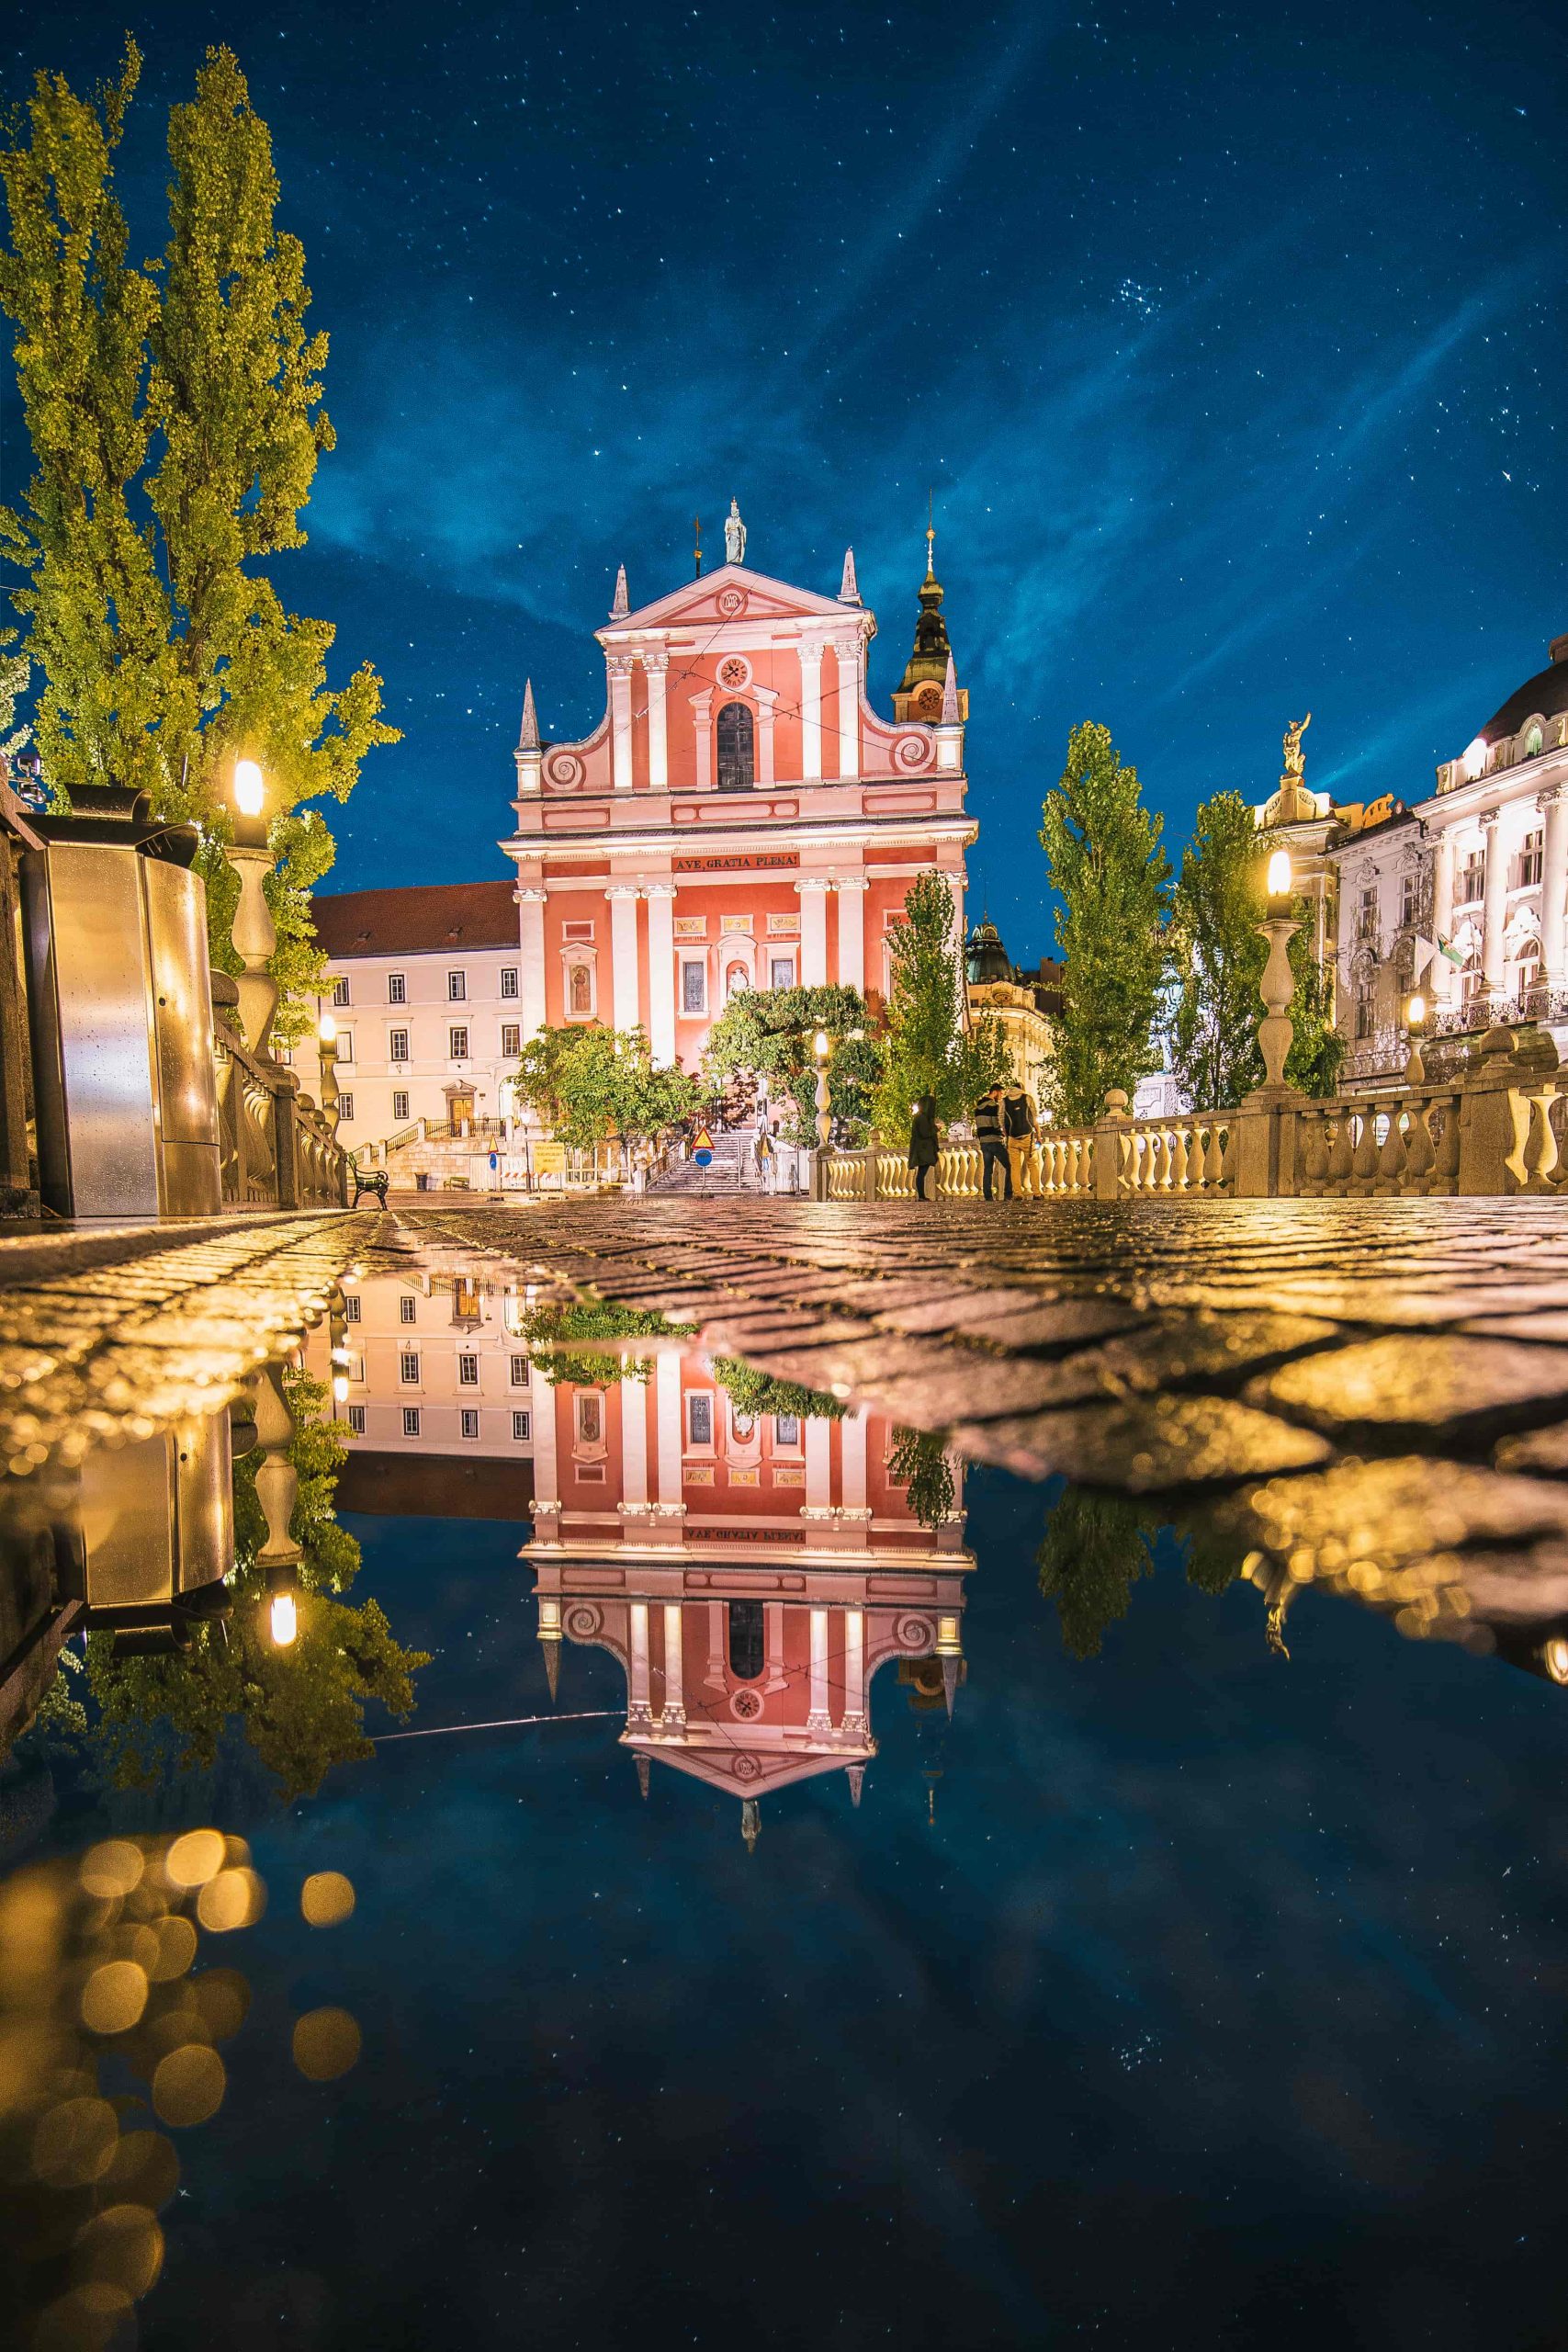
730	593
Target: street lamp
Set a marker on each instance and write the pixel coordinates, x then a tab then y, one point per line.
819	1046
283	1610
1416	1029
256	935
1275	1031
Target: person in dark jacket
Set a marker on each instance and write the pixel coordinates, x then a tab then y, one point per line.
923	1147
990	1137
1019	1127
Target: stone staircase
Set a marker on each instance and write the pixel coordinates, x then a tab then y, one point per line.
733	1169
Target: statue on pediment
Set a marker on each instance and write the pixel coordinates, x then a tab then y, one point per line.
733	535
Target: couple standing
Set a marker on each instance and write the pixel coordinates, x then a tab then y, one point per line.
1004	1129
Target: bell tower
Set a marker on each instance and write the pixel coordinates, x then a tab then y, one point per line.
919	694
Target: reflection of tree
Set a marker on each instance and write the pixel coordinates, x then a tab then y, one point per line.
301	1709
756	1393
921	1460
1097	1546
551	1327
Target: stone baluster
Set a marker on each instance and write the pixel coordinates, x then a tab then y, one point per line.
1364	1159
1341	1154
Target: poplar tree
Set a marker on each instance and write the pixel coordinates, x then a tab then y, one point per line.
175	413
1218	955
927	1048
1102	847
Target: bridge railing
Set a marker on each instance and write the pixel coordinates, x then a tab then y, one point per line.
275	1149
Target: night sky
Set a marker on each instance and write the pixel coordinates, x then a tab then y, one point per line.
1229	340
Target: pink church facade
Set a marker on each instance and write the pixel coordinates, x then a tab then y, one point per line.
740	815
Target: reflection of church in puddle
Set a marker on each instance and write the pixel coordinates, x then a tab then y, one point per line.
748	1572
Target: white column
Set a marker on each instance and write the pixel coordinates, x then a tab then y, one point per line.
818	1465
851	1443
674	1716
667	1414
819	1722
1441	979
702	722
851	889
1493	906
773	1617
531	979
847	653
655	669
813	895
620	668
542	1409
622	897
715	1677
638	1715
634	1445
1553	806
854	1725
661	897
811	712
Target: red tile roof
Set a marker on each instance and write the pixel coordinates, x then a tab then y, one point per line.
422	919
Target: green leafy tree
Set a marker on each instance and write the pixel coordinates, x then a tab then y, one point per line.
1318	1049
1110	873
927	1048
559	1333
14	673
767	1033
754	1392
175	422
590	1084
920	1460
301	1709
1095	1549
1218	954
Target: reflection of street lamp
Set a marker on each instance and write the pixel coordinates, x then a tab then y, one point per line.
283	1613
254	934
819	1046
1416	1029
326	1045
1275	1031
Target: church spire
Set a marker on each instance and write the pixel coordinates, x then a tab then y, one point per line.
750	1823
921	692
528	739
855	1775
950	696
849	587
622	605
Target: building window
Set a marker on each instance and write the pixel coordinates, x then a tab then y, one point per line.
1367	916
457	986
522	1429
745	1640
580	991
345	1106
1471	879
356	1420
410	1420
786	1429
511	1038
699	1418
408	1368
340	992
468	1372
400	1105
397	990
471	1421
458	1044
1365	987
508	983
397	1045
351	1307
407	1308
693	986
345	1045
1408	887
1530	859
781	972
519	1372
1532	745
736	755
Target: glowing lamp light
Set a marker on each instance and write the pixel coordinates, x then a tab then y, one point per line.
326	1029
1416	1010
1554	1657
340	1386
819	1044
250	788
1279	875
285	1619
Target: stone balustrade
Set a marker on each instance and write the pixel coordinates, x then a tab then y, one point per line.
275	1149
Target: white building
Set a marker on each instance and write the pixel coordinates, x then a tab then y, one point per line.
435	1366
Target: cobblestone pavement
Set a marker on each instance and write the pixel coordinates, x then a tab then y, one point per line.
111	1335
1373	1393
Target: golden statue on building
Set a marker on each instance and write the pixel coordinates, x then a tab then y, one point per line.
1295	762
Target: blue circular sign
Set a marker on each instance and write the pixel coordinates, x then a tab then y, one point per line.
703	1158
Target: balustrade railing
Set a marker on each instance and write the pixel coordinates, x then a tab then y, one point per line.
1350	1148
275	1149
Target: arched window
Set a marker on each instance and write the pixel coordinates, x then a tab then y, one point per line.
737	750
1532	745
746	1640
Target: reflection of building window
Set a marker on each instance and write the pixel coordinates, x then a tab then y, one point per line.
1365	986
509	981
396	988
345	1106
590	1417
746	1640
1471	879
520	1372
356	1420
1407	889
468	1372
351	1307
786	1429
1530	859
699	1418
521	1429
694	986
345	1045
400	1105
781	972
471	1421
410	1420
408	1308
397	1045
408	1368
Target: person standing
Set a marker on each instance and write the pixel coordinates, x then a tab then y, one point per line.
989	1136
1019	1130
923	1146
765	1158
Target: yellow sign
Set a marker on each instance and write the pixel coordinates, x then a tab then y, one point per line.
702	1140
549	1159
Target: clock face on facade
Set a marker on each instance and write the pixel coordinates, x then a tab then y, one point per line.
735	673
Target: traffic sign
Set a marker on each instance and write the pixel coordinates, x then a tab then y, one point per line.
701	1148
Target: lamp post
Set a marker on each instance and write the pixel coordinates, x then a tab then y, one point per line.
278	1488
1276	1030
1415	1030
326	1046
256	935
819	1046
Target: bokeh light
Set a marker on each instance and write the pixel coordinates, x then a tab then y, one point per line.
326	1898
326	2044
